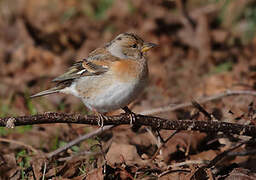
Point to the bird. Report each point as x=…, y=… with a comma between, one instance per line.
x=110, y=78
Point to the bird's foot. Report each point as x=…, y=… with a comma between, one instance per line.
x=132, y=115
x=101, y=119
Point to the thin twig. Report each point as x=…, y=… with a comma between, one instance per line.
x=78, y=140
x=163, y=144
x=189, y=162
x=159, y=136
x=200, y=100
x=201, y=109
x=174, y=171
x=44, y=171
x=186, y=19
x=242, y=153
x=79, y=154
x=220, y=156
x=149, y=130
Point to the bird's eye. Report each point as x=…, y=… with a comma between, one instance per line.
x=134, y=46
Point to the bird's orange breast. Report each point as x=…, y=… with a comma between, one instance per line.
x=126, y=70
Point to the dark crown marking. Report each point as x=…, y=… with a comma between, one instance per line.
x=132, y=35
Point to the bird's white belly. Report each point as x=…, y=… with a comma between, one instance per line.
x=116, y=96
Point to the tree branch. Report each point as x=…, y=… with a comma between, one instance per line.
x=155, y=122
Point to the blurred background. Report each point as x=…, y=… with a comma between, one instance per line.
x=205, y=47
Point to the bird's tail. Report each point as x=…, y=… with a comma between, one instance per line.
x=46, y=92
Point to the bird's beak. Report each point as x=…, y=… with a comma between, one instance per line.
x=147, y=46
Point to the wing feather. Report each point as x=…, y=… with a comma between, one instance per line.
x=91, y=67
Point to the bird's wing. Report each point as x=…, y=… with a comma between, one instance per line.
x=82, y=68
x=92, y=66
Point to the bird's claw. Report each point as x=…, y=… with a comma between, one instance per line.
x=132, y=117
x=101, y=119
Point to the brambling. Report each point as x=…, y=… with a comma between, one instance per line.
x=110, y=78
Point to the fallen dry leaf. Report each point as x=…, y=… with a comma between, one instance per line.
x=95, y=174
x=241, y=174
x=123, y=153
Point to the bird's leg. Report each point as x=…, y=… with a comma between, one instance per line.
x=132, y=115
